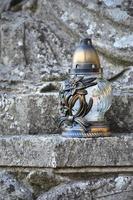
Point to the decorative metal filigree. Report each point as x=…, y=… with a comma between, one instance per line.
x=75, y=90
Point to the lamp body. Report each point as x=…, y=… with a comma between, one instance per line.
x=85, y=97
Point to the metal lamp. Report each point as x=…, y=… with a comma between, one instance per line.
x=86, y=96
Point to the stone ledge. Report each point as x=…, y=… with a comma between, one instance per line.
x=38, y=113
x=57, y=152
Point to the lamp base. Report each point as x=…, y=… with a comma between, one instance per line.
x=85, y=135
x=97, y=129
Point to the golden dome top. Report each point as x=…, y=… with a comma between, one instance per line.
x=85, y=58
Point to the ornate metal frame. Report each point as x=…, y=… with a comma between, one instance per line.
x=75, y=89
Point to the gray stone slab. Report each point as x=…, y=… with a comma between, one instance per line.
x=55, y=151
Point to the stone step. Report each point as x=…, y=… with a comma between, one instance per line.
x=38, y=113
x=56, y=151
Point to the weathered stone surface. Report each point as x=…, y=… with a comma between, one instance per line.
x=120, y=188
x=38, y=113
x=12, y=5
x=11, y=189
x=120, y=116
x=31, y=48
x=56, y=151
x=87, y=17
x=38, y=43
x=36, y=46
x=33, y=180
x=124, y=42
x=29, y=114
x=37, y=39
x=112, y=3
x=43, y=179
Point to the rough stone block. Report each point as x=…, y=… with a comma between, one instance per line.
x=11, y=189
x=38, y=113
x=113, y=188
x=120, y=115
x=29, y=114
x=55, y=151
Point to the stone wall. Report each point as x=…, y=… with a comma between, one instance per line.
x=37, y=40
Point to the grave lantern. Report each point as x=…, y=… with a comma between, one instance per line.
x=85, y=96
